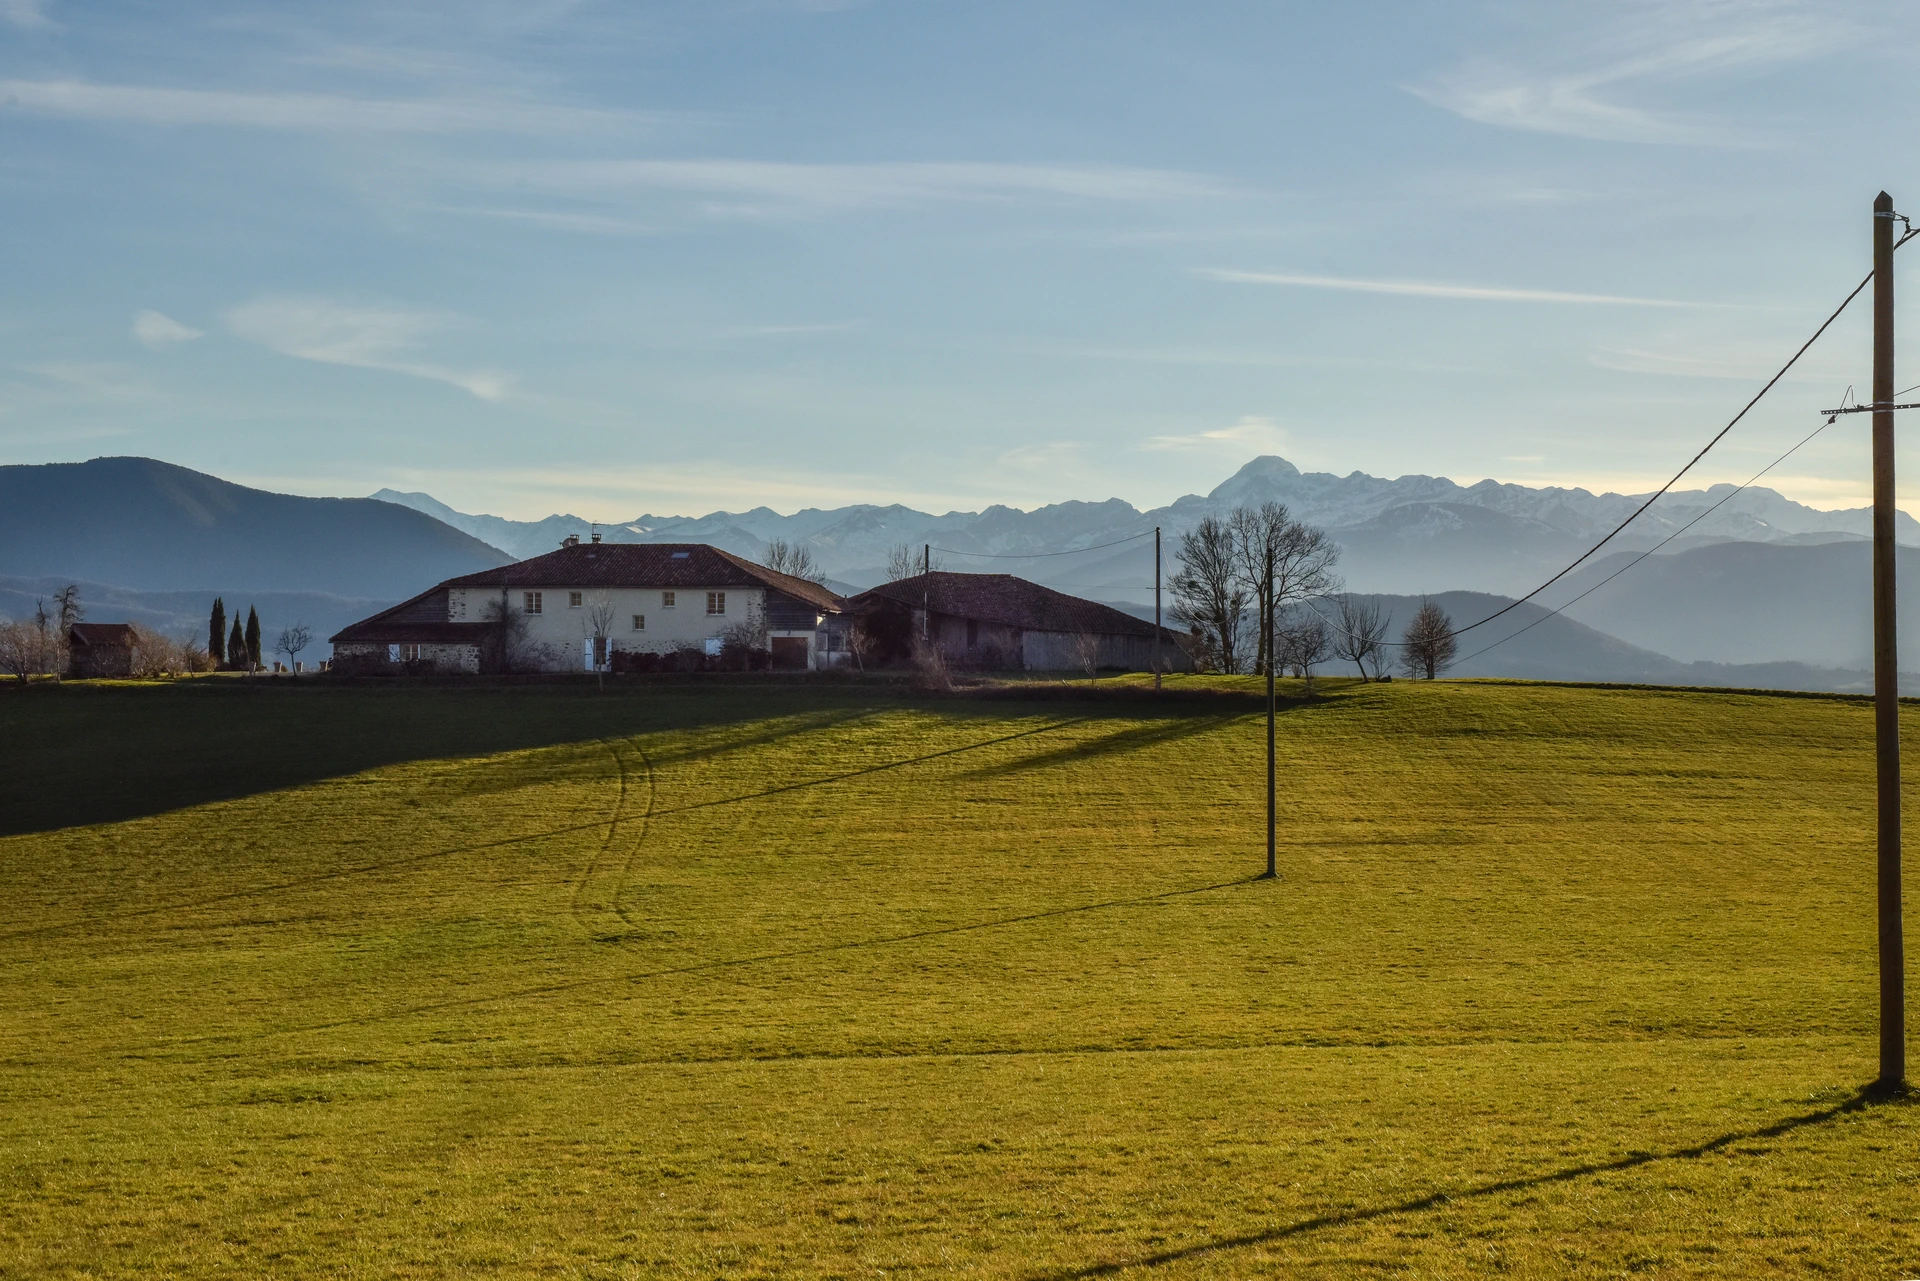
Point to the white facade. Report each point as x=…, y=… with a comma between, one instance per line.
x=560, y=619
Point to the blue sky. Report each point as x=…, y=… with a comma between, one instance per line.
x=670, y=257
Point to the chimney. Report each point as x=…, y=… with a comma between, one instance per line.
x=596, y=535
x=571, y=540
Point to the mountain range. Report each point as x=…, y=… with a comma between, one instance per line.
x=1747, y=579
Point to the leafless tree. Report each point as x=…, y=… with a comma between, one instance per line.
x=1302, y=641
x=794, y=559
x=598, y=621
x=1279, y=562
x=930, y=660
x=1086, y=652
x=1207, y=592
x=905, y=561
x=292, y=640
x=1427, y=646
x=740, y=641
x=503, y=645
x=67, y=602
x=1359, y=632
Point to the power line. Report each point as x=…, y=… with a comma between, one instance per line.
x=1071, y=551
x=1734, y=421
x=1650, y=551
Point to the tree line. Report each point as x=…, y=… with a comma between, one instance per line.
x=238, y=649
x=1255, y=585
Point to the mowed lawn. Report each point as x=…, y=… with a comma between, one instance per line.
x=839, y=981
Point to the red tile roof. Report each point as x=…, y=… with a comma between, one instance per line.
x=420, y=621
x=110, y=635
x=646, y=565
x=1003, y=599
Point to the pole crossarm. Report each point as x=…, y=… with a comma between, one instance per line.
x=1868, y=409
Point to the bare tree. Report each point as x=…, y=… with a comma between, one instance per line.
x=67, y=602
x=1427, y=646
x=1302, y=642
x=1086, y=652
x=598, y=621
x=503, y=644
x=906, y=561
x=1279, y=562
x=292, y=640
x=793, y=559
x=1207, y=593
x=1359, y=632
x=740, y=641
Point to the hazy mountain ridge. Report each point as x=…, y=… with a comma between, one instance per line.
x=1414, y=533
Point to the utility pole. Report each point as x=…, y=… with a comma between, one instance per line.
x=926, y=591
x=1886, y=662
x=1273, y=869
x=1156, y=607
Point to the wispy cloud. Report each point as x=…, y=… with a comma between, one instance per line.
x=158, y=330
x=761, y=187
x=31, y=14
x=1653, y=50
x=1254, y=431
x=1433, y=289
x=309, y=112
x=365, y=337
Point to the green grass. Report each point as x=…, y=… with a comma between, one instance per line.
x=768, y=980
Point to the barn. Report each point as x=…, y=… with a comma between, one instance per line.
x=997, y=622
x=99, y=649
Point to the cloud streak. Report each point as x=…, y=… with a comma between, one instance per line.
x=758, y=187
x=363, y=337
x=1658, y=48
x=158, y=330
x=1253, y=432
x=301, y=112
x=1434, y=289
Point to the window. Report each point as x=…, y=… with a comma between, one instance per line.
x=409, y=653
x=716, y=602
x=666, y=600
x=573, y=600
x=639, y=622
x=529, y=602
x=679, y=555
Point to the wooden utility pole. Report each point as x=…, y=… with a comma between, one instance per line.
x=1156, y=607
x=1886, y=661
x=1273, y=868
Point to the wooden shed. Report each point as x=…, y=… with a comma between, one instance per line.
x=99, y=649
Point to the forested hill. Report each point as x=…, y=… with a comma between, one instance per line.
x=151, y=526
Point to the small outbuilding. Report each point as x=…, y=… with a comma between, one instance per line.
x=99, y=649
x=999, y=622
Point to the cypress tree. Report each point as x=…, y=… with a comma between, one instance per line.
x=236, y=647
x=253, y=637
x=217, y=633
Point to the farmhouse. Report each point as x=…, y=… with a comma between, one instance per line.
x=99, y=649
x=997, y=621
x=577, y=608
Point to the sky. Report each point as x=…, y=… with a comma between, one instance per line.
x=671, y=257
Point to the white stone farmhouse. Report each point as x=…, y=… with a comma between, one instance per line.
x=575, y=608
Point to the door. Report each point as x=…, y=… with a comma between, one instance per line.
x=790, y=653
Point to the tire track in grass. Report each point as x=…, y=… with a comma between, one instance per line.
x=640, y=840
x=577, y=907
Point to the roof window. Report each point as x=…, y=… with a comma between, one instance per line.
x=680, y=555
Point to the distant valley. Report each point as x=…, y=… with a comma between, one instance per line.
x=1761, y=590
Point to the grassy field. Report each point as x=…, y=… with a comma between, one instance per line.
x=768, y=980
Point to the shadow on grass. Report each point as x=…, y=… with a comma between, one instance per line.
x=79, y=755
x=613, y=819
x=702, y=967
x=1866, y=1098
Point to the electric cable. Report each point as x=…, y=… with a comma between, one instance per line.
x=1072, y=551
x=1650, y=551
x=1733, y=422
